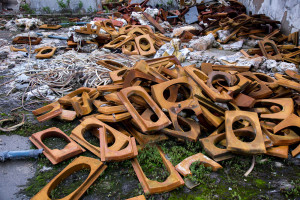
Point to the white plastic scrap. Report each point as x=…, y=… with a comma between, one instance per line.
x=273, y=66
x=28, y=23
x=162, y=49
x=173, y=48
x=140, y=17
x=178, y=31
x=202, y=43
x=240, y=60
x=223, y=34
x=165, y=25
x=152, y=12
x=285, y=66
x=260, y=64
x=202, y=57
x=11, y=25
x=251, y=43
x=236, y=46
x=42, y=90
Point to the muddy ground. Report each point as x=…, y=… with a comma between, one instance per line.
x=272, y=178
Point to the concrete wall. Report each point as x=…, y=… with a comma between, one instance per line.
x=10, y=4
x=88, y=5
x=285, y=11
x=170, y=4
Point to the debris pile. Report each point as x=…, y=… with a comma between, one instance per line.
x=247, y=113
x=124, y=79
x=131, y=39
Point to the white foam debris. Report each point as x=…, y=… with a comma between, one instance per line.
x=29, y=23
x=202, y=43
x=41, y=91
x=152, y=12
x=11, y=26
x=165, y=25
x=178, y=31
x=273, y=66
x=173, y=48
x=140, y=17
x=223, y=34
x=236, y=46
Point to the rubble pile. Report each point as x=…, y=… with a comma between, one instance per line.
x=248, y=113
x=132, y=39
x=126, y=81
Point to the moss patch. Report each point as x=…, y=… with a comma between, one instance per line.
x=260, y=183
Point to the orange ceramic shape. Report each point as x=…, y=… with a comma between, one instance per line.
x=141, y=197
x=268, y=80
x=209, y=146
x=114, y=117
x=144, y=139
x=110, y=64
x=135, y=74
x=109, y=88
x=90, y=123
x=263, y=43
x=85, y=30
x=157, y=92
x=53, y=110
x=56, y=155
x=130, y=48
x=12, y=48
x=291, y=137
x=49, y=26
x=153, y=187
x=296, y=151
x=281, y=151
x=199, y=77
x=67, y=100
x=263, y=90
x=184, y=166
x=194, y=131
x=287, y=105
x=145, y=39
x=119, y=41
x=95, y=166
x=108, y=26
x=27, y=40
x=107, y=109
x=46, y=52
x=67, y=115
x=117, y=75
x=82, y=105
x=130, y=151
x=293, y=74
x=284, y=81
x=243, y=82
x=257, y=146
x=145, y=125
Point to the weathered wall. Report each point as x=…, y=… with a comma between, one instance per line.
x=171, y=4
x=10, y=4
x=88, y=5
x=285, y=11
